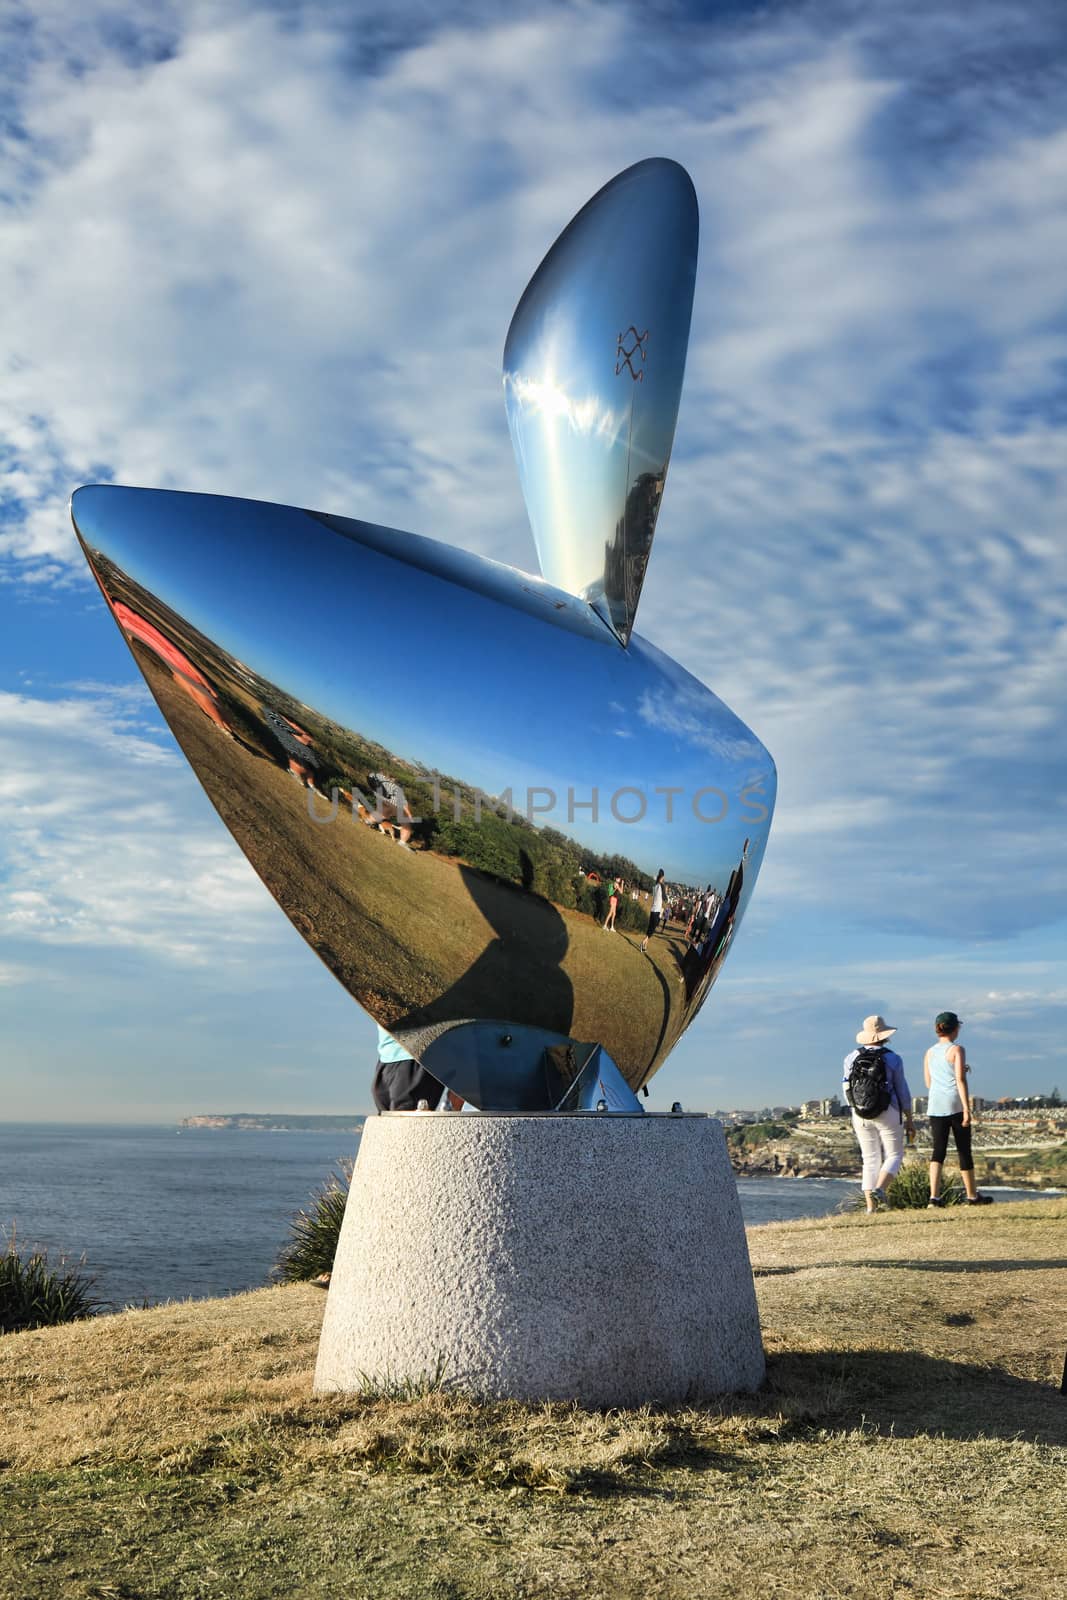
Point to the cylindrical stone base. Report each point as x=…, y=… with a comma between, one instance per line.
x=600, y=1259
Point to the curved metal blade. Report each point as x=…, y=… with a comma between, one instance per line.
x=503, y=834
x=593, y=368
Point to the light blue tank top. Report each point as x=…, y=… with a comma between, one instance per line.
x=944, y=1095
x=388, y=1049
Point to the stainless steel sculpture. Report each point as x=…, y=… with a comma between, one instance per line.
x=439, y=765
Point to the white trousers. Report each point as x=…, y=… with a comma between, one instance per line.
x=881, y=1142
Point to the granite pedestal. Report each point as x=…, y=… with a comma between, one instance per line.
x=594, y=1258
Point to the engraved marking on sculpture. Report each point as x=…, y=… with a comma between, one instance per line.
x=624, y=357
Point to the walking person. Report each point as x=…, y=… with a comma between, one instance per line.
x=614, y=891
x=949, y=1109
x=392, y=814
x=877, y=1090
x=657, y=908
x=295, y=743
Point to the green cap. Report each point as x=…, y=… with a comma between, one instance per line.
x=947, y=1020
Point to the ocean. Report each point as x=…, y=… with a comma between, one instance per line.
x=161, y=1213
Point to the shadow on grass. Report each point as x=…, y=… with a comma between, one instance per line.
x=554, y=1449
x=1028, y=1265
x=808, y=1397
x=679, y=1449
x=906, y=1394
x=912, y=1265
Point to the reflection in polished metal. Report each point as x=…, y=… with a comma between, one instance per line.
x=592, y=408
x=522, y=838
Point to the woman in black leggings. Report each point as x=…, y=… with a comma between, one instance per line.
x=949, y=1108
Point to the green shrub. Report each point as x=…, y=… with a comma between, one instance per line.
x=313, y=1232
x=1052, y=1164
x=542, y=860
x=746, y=1134
x=910, y=1189
x=36, y=1295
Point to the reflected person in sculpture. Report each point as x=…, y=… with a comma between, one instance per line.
x=300, y=759
x=656, y=912
x=393, y=813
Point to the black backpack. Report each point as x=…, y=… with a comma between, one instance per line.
x=868, y=1084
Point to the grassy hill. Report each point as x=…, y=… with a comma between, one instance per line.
x=911, y=1441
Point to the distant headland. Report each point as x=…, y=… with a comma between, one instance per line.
x=276, y=1122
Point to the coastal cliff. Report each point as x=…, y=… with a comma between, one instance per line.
x=275, y=1122
x=828, y=1150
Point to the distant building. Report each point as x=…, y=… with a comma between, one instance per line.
x=919, y=1103
x=831, y=1107
x=811, y=1108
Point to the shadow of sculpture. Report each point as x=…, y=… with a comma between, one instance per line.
x=518, y=974
x=907, y=1394
x=924, y=1265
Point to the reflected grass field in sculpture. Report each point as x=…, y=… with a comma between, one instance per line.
x=478, y=943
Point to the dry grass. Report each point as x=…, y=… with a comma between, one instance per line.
x=911, y=1440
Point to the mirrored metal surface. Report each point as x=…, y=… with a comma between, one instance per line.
x=593, y=368
x=457, y=784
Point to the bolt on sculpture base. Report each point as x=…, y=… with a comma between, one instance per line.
x=596, y=1259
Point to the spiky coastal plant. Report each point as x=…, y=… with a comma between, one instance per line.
x=34, y=1294
x=910, y=1189
x=314, y=1231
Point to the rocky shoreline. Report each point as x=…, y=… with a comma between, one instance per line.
x=782, y=1160
x=774, y=1165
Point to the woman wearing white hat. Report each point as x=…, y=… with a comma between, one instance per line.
x=877, y=1090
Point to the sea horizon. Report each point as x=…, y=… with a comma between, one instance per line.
x=156, y=1217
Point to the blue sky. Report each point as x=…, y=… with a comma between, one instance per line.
x=274, y=250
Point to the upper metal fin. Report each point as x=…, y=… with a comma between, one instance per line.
x=593, y=367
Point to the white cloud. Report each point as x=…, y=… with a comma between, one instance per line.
x=11, y=972
x=794, y=1021
x=107, y=843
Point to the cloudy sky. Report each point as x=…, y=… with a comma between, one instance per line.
x=272, y=250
